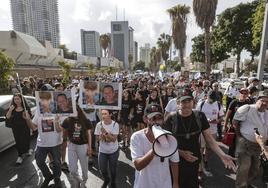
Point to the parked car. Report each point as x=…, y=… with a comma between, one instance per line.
x=226, y=82
x=6, y=135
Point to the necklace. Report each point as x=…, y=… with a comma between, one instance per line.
x=188, y=135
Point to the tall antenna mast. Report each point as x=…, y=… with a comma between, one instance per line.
x=116, y=12
x=124, y=14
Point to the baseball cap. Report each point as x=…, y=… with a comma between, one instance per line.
x=153, y=110
x=185, y=95
x=252, y=79
x=243, y=89
x=252, y=89
x=263, y=94
x=47, y=87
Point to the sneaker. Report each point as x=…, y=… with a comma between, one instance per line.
x=83, y=184
x=19, y=160
x=57, y=182
x=30, y=152
x=105, y=183
x=46, y=181
x=64, y=166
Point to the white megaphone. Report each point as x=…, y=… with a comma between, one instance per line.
x=165, y=144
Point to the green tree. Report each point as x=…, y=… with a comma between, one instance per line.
x=130, y=59
x=217, y=54
x=250, y=66
x=104, y=43
x=257, y=22
x=6, y=68
x=91, y=70
x=67, y=54
x=66, y=70
x=164, y=43
x=155, y=57
x=233, y=31
x=174, y=65
x=178, y=15
x=204, y=11
x=140, y=65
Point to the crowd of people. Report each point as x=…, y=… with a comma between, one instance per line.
x=196, y=112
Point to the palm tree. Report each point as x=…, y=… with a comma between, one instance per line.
x=104, y=42
x=155, y=56
x=178, y=15
x=130, y=59
x=164, y=43
x=204, y=11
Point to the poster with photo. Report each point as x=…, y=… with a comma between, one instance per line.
x=96, y=95
x=47, y=125
x=50, y=103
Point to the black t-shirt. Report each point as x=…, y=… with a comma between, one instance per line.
x=126, y=107
x=139, y=107
x=77, y=130
x=234, y=105
x=187, y=125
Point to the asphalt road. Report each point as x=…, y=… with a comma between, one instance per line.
x=28, y=175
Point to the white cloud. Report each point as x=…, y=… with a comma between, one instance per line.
x=147, y=17
x=82, y=10
x=104, y=15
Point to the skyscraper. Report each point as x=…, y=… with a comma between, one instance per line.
x=38, y=18
x=90, y=43
x=145, y=54
x=122, y=41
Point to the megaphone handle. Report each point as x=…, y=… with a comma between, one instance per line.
x=162, y=159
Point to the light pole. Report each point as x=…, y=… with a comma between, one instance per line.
x=262, y=59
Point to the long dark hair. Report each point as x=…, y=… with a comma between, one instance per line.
x=22, y=99
x=129, y=98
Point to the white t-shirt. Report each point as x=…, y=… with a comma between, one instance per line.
x=250, y=118
x=47, y=133
x=171, y=106
x=113, y=128
x=212, y=112
x=231, y=91
x=156, y=174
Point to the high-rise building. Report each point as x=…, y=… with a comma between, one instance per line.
x=122, y=41
x=38, y=18
x=135, y=52
x=145, y=54
x=90, y=43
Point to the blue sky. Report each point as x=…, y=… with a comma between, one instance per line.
x=147, y=17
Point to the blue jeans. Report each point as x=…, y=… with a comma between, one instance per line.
x=40, y=157
x=108, y=160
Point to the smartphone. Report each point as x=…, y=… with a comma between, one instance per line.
x=256, y=131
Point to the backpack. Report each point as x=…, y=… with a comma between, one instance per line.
x=197, y=116
x=203, y=102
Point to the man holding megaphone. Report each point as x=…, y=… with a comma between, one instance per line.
x=187, y=125
x=153, y=150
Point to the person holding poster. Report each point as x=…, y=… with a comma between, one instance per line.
x=107, y=131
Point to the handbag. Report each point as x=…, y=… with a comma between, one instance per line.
x=229, y=137
x=9, y=122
